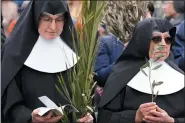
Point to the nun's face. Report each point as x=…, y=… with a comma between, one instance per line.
x=51, y=26
x=160, y=45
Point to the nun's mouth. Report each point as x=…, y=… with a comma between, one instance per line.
x=51, y=32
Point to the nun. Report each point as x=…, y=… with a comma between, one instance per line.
x=127, y=96
x=38, y=50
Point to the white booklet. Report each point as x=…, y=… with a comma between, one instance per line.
x=50, y=105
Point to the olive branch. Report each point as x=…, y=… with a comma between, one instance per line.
x=149, y=65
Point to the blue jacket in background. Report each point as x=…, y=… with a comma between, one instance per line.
x=110, y=48
x=178, y=46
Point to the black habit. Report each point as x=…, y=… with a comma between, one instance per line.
x=22, y=85
x=120, y=102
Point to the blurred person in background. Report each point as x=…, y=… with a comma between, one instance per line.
x=102, y=30
x=158, y=9
x=9, y=13
x=171, y=14
x=21, y=6
x=178, y=45
x=75, y=7
x=150, y=10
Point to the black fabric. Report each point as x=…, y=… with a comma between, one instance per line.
x=25, y=34
x=3, y=37
x=129, y=64
x=22, y=86
x=21, y=95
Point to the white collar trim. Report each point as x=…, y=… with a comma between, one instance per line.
x=173, y=81
x=51, y=56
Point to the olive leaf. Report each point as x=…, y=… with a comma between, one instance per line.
x=144, y=72
x=153, y=84
x=156, y=83
x=158, y=57
x=160, y=48
x=145, y=65
x=156, y=67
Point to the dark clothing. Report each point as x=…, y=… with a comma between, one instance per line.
x=123, y=107
x=179, y=6
x=3, y=37
x=119, y=102
x=22, y=86
x=22, y=97
x=178, y=47
x=176, y=21
x=110, y=49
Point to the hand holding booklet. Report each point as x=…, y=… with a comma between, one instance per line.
x=51, y=106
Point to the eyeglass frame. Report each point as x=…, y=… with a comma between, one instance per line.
x=45, y=14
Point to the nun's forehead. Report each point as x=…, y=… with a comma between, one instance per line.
x=50, y=14
x=159, y=33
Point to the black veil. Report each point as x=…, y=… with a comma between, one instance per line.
x=134, y=56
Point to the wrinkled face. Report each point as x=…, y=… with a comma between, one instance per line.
x=160, y=45
x=51, y=26
x=168, y=9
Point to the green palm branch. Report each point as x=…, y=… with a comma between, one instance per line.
x=80, y=78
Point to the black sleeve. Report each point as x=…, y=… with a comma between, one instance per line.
x=114, y=112
x=13, y=108
x=179, y=120
x=106, y=116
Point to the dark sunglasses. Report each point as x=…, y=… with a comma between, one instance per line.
x=157, y=39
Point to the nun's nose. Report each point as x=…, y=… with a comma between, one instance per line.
x=53, y=25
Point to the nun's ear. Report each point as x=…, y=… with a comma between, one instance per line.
x=172, y=32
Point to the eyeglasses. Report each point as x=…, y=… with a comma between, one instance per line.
x=157, y=39
x=48, y=19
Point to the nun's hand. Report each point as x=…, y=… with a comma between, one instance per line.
x=158, y=116
x=49, y=118
x=143, y=110
x=87, y=119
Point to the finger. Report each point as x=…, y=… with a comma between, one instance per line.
x=149, y=108
x=81, y=120
x=48, y=116
x=54, y=119
x=152, y=118
x=89, y=118
x=35, y=112
x=36, y=117
x=160, y=110
x=145, y=105
x=158, y=114
x=148, y=121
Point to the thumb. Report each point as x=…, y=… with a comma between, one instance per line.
x=35, y=112
x=82, y=119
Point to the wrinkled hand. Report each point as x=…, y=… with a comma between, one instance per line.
x=87, y=119
x=158, y=116
x=49, y=118
x=143, y=110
